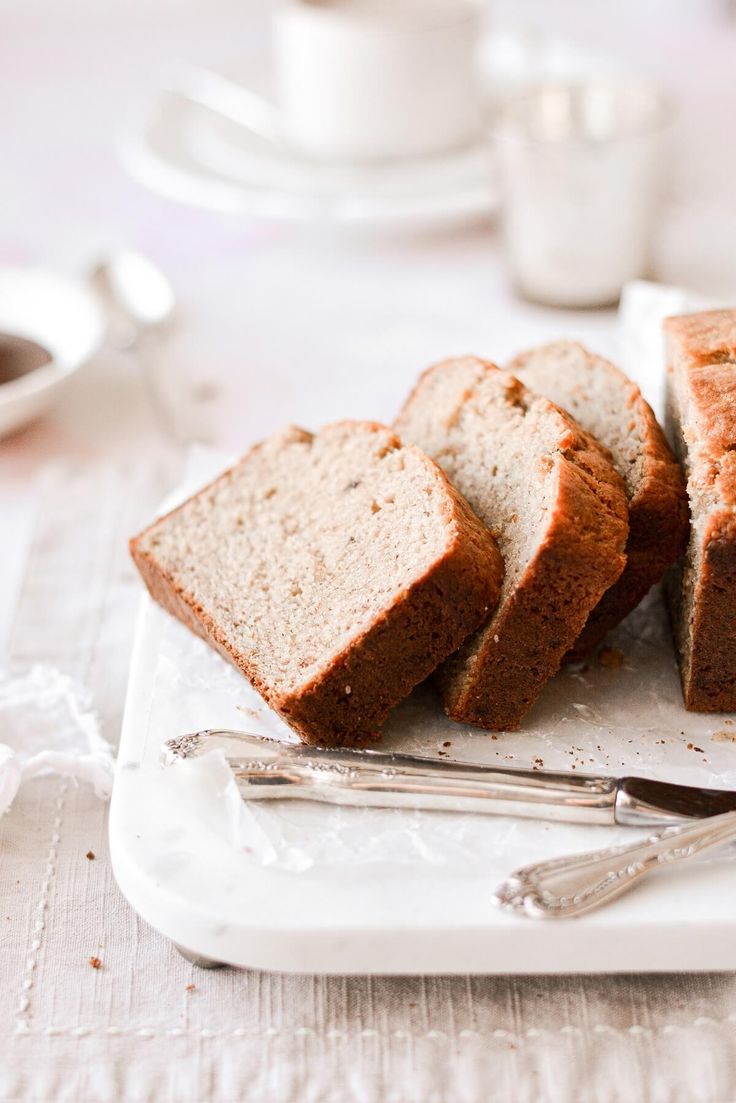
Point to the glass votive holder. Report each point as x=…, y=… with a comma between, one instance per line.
x=582, y=167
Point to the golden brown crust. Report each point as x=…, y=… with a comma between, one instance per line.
x=658, y=512
x=710, y=684
x=705, y=345
x=658, y=529
x=582, y=555
x=497, y=675
x=348, y=701
x=402, y=647
x=701, y=350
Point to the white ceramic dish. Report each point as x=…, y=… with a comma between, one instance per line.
x=189, y=154
x=59, y=313
x=329, y=890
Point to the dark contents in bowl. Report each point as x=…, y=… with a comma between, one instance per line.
x=19, y=356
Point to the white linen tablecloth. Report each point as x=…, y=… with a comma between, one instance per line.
x=289, y=325
x=147, y=1026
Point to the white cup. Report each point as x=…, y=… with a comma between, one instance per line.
x=371, y=79
x=583, y=167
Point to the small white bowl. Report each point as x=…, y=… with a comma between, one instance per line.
x=62, y=315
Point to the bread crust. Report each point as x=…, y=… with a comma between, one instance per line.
x=582, y=555
x=658, y=509
x=347, y=702
x=701, y=365
x=497, y=675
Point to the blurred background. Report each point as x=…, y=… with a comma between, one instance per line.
x=220, y=216
x=307, y=291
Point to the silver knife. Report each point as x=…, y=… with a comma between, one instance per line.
x=267, y=769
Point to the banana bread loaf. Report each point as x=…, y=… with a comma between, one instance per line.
x=610, y=407
x=552, y=499
x=335, y=571
x=701, y=380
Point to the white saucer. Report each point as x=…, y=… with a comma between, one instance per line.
x=187, y=152
x=63, y=316
x=190, y=154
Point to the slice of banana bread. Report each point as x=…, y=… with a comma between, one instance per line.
x=701, y=381
x=335, y=571
x=610, y=407
x=552, y=499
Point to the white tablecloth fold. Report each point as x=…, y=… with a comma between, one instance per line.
x=49, y=726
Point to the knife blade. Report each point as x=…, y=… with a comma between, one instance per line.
x=268, y=769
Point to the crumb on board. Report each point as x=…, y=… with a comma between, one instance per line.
x=90, y=855
x=248, y=711
x=190, y=987
x=610, y=657
x=724, y=737
x=447, y=743
x=692, y=747
x=95, y=962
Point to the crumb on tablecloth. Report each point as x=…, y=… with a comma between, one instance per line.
x=95, y=962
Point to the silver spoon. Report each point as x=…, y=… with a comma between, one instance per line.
x=564, y=887
x=138, y=296
x=140, y=305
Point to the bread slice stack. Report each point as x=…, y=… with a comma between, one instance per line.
x=701, y=380
x=551, y=497
x=610, y=407
x=507, y=521
x=335, y=571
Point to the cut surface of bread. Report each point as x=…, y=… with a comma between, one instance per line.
x=701, y=381
x=556, y=506
x=334, y=570
x=608, y=405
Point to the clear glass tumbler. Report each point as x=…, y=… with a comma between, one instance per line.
x=583, y=169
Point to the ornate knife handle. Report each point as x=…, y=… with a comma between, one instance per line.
x=268, y=770
x=564, y=887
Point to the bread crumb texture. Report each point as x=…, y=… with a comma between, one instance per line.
x=335, y=570
x=607, y=404
x=551, y=497
x=701, y=402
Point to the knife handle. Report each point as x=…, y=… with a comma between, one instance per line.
x=265, y=769
x=565, y=887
